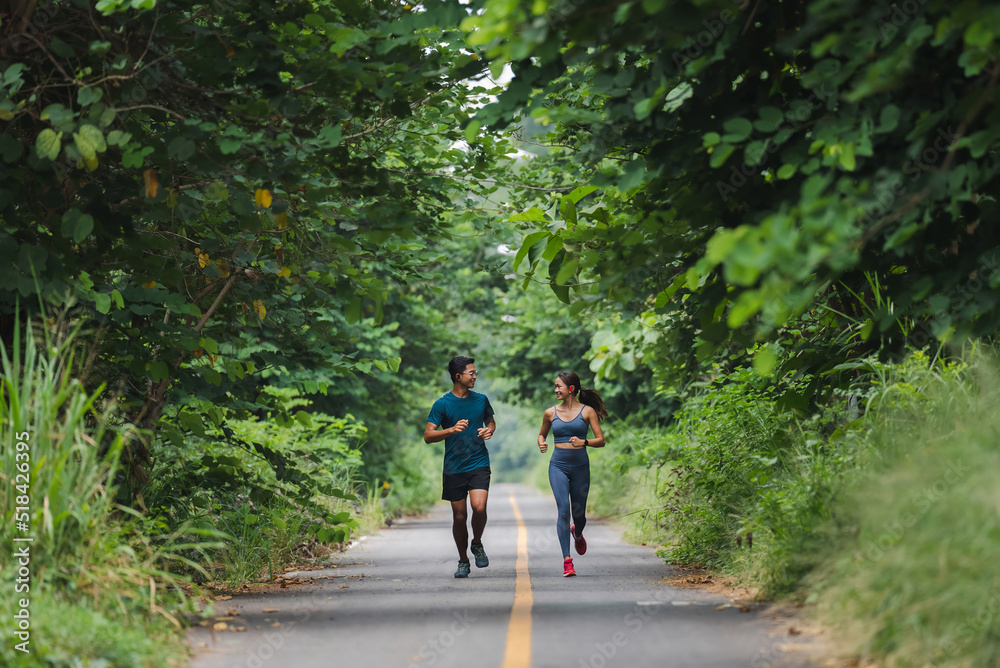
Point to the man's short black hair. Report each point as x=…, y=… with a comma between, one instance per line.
x=457, y=365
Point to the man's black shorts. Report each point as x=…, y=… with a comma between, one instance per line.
x=457, y=485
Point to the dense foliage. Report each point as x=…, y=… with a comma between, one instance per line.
x=822, y=173
x=271, y=224
x=232, y=194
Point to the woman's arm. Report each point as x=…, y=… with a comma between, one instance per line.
x=590, y=415
x=543, y=433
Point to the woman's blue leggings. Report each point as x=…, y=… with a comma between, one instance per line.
x=569, y=475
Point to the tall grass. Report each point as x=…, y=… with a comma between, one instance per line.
x=917, y=583
x=87, y=566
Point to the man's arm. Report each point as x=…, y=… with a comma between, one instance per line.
x=432, y=434
x=487, y=432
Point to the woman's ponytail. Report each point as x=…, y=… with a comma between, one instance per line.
x=593, y=399
x=587, y=396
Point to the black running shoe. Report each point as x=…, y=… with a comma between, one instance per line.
x=482, y=561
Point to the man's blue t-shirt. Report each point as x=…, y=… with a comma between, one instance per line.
x=465, y=450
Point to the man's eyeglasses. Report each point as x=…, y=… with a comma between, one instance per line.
x=471, y=373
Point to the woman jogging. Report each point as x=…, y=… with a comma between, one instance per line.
x=569, y=467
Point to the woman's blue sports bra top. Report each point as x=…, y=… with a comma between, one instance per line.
x=562, y=430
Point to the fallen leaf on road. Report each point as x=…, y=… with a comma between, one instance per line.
x=221, y=626
x=271, y=610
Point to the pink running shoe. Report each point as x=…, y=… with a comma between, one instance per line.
x=568, y=567
x=578, y=541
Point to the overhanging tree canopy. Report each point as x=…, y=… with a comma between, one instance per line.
x=229, y=187
x=761, y=162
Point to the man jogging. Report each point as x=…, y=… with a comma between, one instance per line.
x=464, y=420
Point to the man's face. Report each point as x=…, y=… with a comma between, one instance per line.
x=468, y=377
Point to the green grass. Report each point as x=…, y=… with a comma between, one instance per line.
x=100, y=592
x=69, y=631
x=918, y=583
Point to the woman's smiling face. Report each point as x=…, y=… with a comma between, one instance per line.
x=561, y=390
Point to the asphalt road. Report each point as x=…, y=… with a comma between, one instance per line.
x=392, y=602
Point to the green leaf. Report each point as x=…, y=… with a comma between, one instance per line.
x=979, y=35
x=89, y=141
x=211, y=376
x=580, y=193
x=118, y=138
x=888, y=119
x=48, y=144
x=765, y=360
x=87, y=96
x=719, y=155
x=554, y=247
x=737, y=129
x=786, y=172
x=567, y=271
x=568, y=210
x=526, y=245
x=181, y=148
x=216, y=192
x=846, y=157
x=209, y=345
x=12, y=75
x=77, y=225
x=158, y=371
x=103, y=302
x=770, y=119
x=634, y=174
x=472, y=131
x=57, y=114
x=533, y=214
x=644, y=108
x=866, y=329
x=314, y=20
x=192, y=422
x=353, y=311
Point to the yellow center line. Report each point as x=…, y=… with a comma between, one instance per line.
x=517, y=654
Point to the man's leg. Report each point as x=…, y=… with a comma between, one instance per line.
x=478, y=499
x=459, y=529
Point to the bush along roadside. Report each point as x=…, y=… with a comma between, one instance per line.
x=96, y=573
x=915, y=579
x=880, y=507
x=80, y=581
